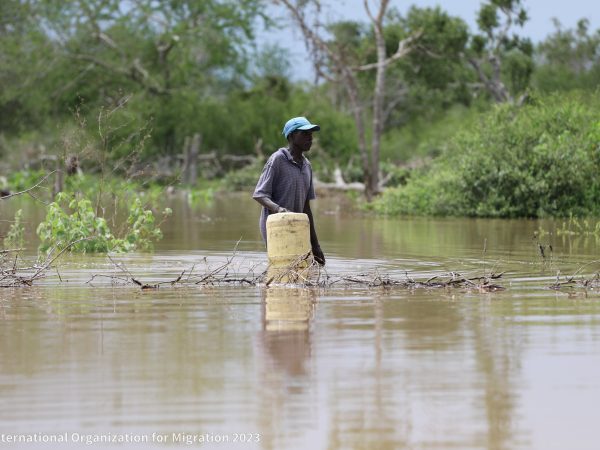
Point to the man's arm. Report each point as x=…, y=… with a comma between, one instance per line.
x=270, y=204
x=314, y=241
x=264, y=188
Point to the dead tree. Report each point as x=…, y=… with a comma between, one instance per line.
x=190, y=162
x=335, y=68
x=490, y=49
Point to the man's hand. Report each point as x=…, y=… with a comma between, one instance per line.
x=318, y=255
x=281, y=209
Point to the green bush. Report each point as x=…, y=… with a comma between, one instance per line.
x=72, y=221
x=427, y=136
x=243, y=179
x=538, y=160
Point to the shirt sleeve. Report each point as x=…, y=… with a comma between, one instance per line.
x=264, y=187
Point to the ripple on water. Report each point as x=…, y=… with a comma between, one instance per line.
x=322, y=368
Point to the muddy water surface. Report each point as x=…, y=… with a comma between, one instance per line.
x=290, y=368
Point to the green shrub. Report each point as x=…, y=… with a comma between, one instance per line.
x=243, y=179
x=428, y=136
x=72, y=219
x=538, y=160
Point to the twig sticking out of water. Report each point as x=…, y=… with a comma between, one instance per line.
x=14, y=276
x=571, y=282
x=225, y=273
x=303, y=272
x=11, y=275
x=578, y=281
x=300, y=271
x=373, y=280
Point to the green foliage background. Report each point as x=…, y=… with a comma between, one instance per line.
x=538, y=160
x=123, y=88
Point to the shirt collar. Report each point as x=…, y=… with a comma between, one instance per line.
x=290, y=158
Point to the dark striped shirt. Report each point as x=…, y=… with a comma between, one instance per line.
x=286, y=183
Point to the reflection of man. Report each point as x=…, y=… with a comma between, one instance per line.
x=286, y=182
x=284, y=344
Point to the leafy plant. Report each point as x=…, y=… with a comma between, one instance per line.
x=14, y=237
x=142, y=229
x=72, y=221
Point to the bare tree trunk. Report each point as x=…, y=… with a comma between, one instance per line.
x=332, y=66
x=185, y=170
x=378, y=95
x=59, y=176
x=357, y=112
x=193, y=159
x=493, y=83
x=258, y=148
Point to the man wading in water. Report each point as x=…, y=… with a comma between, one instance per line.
x=286, y=182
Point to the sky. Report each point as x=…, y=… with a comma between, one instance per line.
x=540, y=25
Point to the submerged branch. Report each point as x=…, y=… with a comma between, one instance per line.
x=303, y=272
x=13, y=276
x=581, y=283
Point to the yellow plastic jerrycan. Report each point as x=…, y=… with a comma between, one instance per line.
x=288, y=238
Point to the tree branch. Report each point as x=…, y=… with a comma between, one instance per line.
x=404, y=47
x=136, y=72
x=27, y=191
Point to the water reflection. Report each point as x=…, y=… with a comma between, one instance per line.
x=285, y=335
x=288, y=309
x=498, y=354
x=288, y=384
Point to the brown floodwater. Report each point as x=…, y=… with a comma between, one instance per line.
x=298, y=368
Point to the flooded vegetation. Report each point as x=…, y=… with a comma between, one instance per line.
x=343, y=366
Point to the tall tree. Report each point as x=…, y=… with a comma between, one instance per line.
x=432, y=77
x=502, y=61
x=26, y=58
x=166, y=53
x=569, y=58
x=338, y=65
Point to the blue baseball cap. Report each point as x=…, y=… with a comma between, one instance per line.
x=299, y=123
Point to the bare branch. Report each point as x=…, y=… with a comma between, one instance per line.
x=400, y=91
x=368, y=10
x=27, y=191
x=108, y=41
x=136, y=72
x=494, y=86
x=50, y=260
x=404, y=47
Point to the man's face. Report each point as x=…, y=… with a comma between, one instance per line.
x=302, y=139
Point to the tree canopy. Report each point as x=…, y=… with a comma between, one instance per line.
x=157, y=72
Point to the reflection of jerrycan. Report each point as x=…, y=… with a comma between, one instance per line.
x=288, y=309
x=288, y=239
